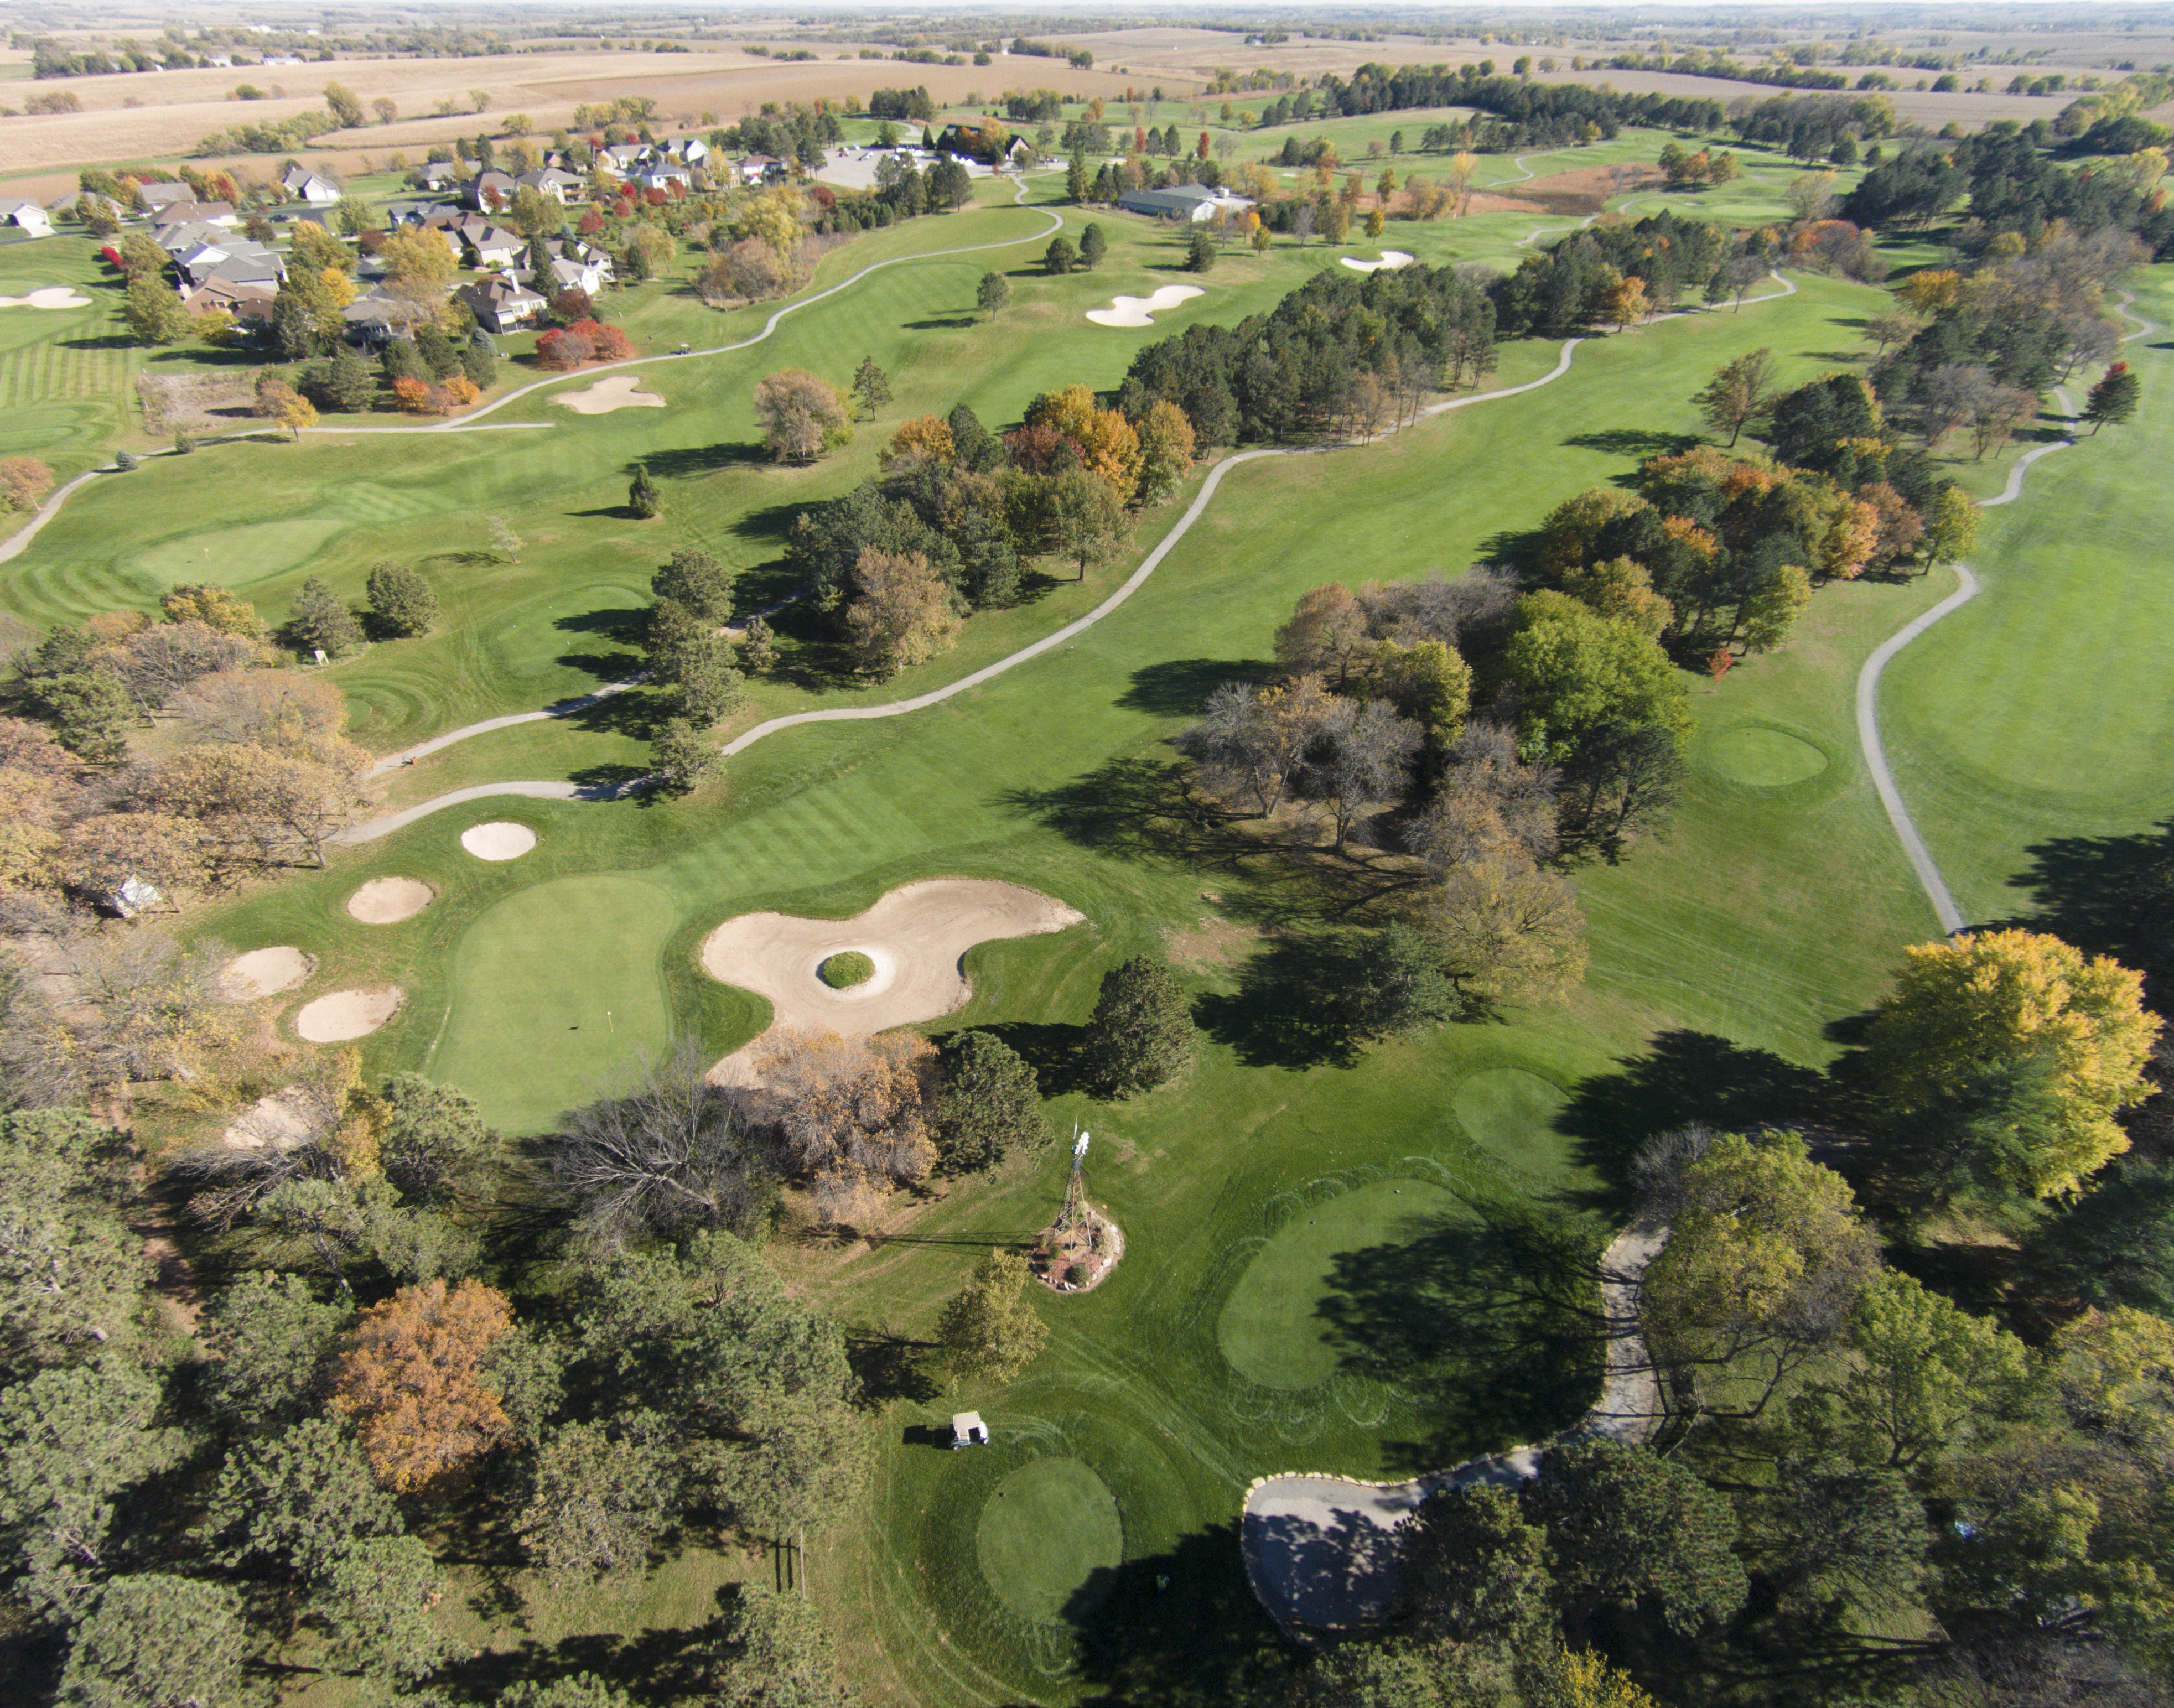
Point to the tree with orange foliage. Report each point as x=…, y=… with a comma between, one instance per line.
x=408, y=1380
x=1108, y=445
x=924, y=439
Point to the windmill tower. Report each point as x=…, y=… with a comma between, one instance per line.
x=1075, y=1211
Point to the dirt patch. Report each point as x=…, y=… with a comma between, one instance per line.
x=498, y=839
x=194, y=403
x=388, y=900
x=346, y=1014
x=1585, y=190
x=612, y=392
x=1486, y=202
x=278, y=1120
x=264, y=972
x=1214, y=942
x=916, y=936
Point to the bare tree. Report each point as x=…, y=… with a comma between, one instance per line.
x=2088, y=341
x=671, y=1156
x=1439, y=607
x=2005, y=408
x=159, y=661
x=1253, y=741
x=1953, y=393
x=1363, y=757
x=1492, y=805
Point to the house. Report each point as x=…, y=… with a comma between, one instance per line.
x=625, y=157
x=300, y=182
x=489, y=190
x=371, y=317
x=1188, y=202
x=500, y=304
x=560, y=186
x=662, y=175
x=688, y=151
x=759, y=169
x=32, y=217
x=249, y=301
x=437, y=175
x=574, y=275
x=223, y=61
x=260, y=266
x=156, y=197
x=487, y=245
x=282, y=59
x=195, y=214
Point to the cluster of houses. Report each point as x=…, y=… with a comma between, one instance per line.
x=682, y=162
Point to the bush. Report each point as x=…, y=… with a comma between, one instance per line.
x=845, y=969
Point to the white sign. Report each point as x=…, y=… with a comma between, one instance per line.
x=320, y=651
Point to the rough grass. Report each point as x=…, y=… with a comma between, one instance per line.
x=843, y=970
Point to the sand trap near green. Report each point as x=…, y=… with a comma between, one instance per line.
x=1271, y=1330
x=1045, y=1532
x=1510, y=1114
x=554, y=989
x=1764, y=757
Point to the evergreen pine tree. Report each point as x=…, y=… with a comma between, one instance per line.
x=321, y=621
x=1140, y=1034
x=1093, y=247
x=642, y=496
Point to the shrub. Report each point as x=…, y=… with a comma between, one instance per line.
x=563, y=349
x=842, y=971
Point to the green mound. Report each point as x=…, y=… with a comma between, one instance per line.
x=1271, y=1329
x=1511, y=1114
x=841, y=972
x=1764, y=757
x=234, y=557
x=1045, y=1533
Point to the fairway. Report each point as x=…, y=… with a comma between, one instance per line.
x=554, y=991
x=1272, y=1330
x=1045, y=1533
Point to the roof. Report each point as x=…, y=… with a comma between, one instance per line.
x=175, y=212
x=1181, y=200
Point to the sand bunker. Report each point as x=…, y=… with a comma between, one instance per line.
x=278, y=1120
x=388, y=900
x=498, y=840
x=1390, y=260
x=345, y=1014
x=264, y=972
x=49, y=296
x=1139, y=310
x=613, y=392
x=916, y=936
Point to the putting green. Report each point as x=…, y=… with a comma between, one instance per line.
x=1045, y=1533
x=1511, y=1114
x=234, y=557
x=1271, y=1330
x=555, y=990
x=1763, y=757
x=847, y=969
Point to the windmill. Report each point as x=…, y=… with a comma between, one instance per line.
x=1075, y=1213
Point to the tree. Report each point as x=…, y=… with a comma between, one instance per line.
x=1623, y=780
x=409, y=1380
x=993, y=292
x=801, y=416
x=1093, y=247
x=991, y=1107
x=376, y=1601
x=1167, y=448
x=1577, y=671
x=1967, y=1015
x=871, y=386
x=2116, y=1246
x=435, y=1145
x=1060, y=256
x=401, y=602
x=275, y=1341
x=343, y=105
x=1405, y=984
x=71, y=1275
x=1199, y=252
x=155, y=314
x=1583, y=1678
x=1086, y=515
x=1514, y=932
x=681, y=754
x=1327, y=634
x=1140, y=1034
x=1952, y=532
x=1623, y=1524
x=2114, y=398
x=1624, y=302
x=91, y=712
x=643, y=498
x=902, y=612
x=597, y=1496
x=504, y=541
x=322, y=622
x=699, y=583
x=71, y=1440
x=1363, y=758
x=777, y=1654
x=1811, y=197
x=988, y=1331
x=1735, y=393
x=668, y=1158
x=156, y=1641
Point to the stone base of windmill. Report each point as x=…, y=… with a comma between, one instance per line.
x=1075, y=1257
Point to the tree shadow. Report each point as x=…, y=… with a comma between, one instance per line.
x=653, y=1665
x=1180, y=687
x=2111, y=895
x=613, y=512
x=890, y=1367
x=1141, y=808
x=1291, y=1008
x=1640, y=442
x=605, y=667
x=1054, y=1049
x=945, y=323
x=1489, y=1321
x=690, y=461
x=1685, y=1077
x=1181, y=1628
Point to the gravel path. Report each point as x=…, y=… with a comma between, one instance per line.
x=1322, y=1552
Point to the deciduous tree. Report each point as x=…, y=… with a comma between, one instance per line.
x=902, y=612
x=989, y=1330
x=2114, y=398
x=1735, y=392
x=409, y=1380
x=992, y=294
x=801, y=416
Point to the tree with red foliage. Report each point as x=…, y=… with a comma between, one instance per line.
x=1203, y=145
x=573, y=303
x=563, y=349
x=591, y=221
x=655, y=195
x=415, y=398
x=1718, y=666
x=1043, y=451
x=612, y=345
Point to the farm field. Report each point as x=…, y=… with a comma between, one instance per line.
x=1371, y=1261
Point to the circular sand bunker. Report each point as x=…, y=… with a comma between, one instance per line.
x=915, y=938
x=264, y=972
x=1050, y=1540
x=1764, y=758
x=346, y=1014
x=388, y=900
x=500, y=839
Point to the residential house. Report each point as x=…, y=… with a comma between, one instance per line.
x=501, y=303
x=572, y=275
x=156, y=197
x=487, y=245
x=625, y=157
x=663, y=174
x=490, y=189
x=371, y=317
x=688, y=151
x=30, y=216
x=759, y=169
x=314, y=187
x=1187, y=203
x=195, y=214
x=437, y=175
x=561, y=187
x=249, y=300
x=187, y=234
x=252, y=266
x=223, y=61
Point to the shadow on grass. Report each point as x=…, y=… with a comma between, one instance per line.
x=1685, y=1077
x=652, y=1665
x=1292, y=1006
x=1634, y=441
x=2110, y=895
x=691, y=462
x=1180, y=687
x=1180, y=1629
x=1489, y=1321
x=1055, y=1050
x=889, y=1367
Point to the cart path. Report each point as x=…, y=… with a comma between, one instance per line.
x=1927, y=869
x=895, y=708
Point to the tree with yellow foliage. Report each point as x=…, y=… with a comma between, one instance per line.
x=409, y=1380
x=1929, y=291
x=1582, y=1678
x=1108, y=445
x=924, y=439
x=2008, y=1054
